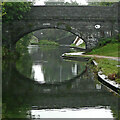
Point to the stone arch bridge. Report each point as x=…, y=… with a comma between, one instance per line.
x=83, y=21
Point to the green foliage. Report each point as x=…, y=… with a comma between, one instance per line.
x=110, y=49
x=9, y=54
x=47, y=42
x=21, y=45
x=116, y=113
x=68, y=27
x=12, y=114
x=81, y=45
x=3, y=110
x=108, y=67
x=33, y=39
x=4, y=51
x=24, y=62
x=105, y=41
x=100, y=3
x=71, y=3
x=60, y=23
x=73, y=45
x=48, y=2
x=107, y=47
x=106, y=3
x=3, y=8
x=14, y=10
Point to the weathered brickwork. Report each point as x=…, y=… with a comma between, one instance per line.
x=80, y=20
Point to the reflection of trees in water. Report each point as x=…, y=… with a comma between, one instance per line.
x=14, y=91
x=116, y=113
x=24, y=65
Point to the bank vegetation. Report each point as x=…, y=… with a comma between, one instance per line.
x=108, y=47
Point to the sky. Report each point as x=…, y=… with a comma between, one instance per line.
x=41, y=2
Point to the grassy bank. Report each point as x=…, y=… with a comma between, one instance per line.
x=46, y=42
x=81, y=45
x=107, y=66
x=110, y=49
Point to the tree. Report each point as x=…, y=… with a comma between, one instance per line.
x=60, y=2
x=14, y=10
x=100, y=3
x=54, y=2
x=71, y=3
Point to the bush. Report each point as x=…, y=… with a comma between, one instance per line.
x=47, y=42
x=105, y=41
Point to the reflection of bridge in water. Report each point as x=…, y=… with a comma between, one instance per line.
x=76, y=93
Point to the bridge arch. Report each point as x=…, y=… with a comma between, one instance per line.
x=63, y=26
x=55, y=28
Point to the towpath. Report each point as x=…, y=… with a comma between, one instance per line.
x=97, y=56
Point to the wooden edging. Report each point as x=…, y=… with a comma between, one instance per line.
x=107, y=82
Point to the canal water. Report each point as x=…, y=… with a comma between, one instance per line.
x=41, y=84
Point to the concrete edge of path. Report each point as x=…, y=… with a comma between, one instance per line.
x=107, y=82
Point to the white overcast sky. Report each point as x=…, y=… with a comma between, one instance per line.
x=41, y=2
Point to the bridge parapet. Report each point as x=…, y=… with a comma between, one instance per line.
x=71, y=12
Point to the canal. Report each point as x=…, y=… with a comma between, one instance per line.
x=41, y=84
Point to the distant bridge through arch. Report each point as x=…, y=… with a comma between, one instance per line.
x=79, y=20
x=60, y=36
